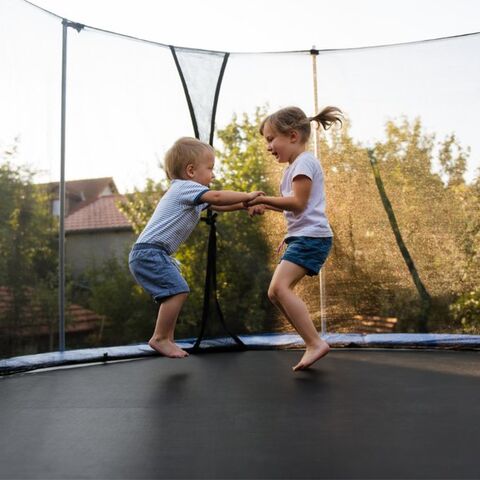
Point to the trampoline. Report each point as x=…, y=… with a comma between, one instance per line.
x=405, y=407
x=357, y=414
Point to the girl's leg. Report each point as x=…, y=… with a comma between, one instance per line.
x=162, y=338
x=280, y=292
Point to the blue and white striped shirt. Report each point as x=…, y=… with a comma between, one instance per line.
x=177, y=214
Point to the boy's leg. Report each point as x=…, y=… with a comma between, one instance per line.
x=162, y=338
x=280, y=292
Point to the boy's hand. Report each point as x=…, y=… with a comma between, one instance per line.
x=254, y=200
x=253, y=195
x=256, y=210
x=251, y=200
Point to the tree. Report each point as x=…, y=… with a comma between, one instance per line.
x=128, y=310
x=466, y=308
x=432, y=215
x=28, y=252
x=141, y=204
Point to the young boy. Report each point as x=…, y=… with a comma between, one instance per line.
x=189, y=165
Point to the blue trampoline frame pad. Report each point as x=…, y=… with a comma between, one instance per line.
x=252, y=342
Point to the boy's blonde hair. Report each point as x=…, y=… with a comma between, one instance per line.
x=293, y=118
x=185, y=151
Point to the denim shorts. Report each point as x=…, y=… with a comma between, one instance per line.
x=156, y=271
x=308, y=252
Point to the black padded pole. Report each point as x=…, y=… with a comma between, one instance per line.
x=217, y=94
x=211, y=285
x=187, y=94
x=210, y=288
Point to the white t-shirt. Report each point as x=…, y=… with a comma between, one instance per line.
x=312, y=222
x=176, y=215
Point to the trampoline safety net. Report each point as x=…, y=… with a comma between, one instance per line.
x=402, y=186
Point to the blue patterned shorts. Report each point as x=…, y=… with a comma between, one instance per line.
x=308, y=252
x=156, y=271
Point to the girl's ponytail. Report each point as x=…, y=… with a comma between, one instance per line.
x=294, y=118
x=327, y=117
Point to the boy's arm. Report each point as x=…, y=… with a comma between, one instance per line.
x=228, y=208
x=227, y=197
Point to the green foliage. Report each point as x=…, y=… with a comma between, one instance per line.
x=453, y=161
x=243, y=161
x=244, y=268
x=129, y=312
x=140, y=205
x=437, y=218
x=28, y=252
x=466, y=310
x=27, y=228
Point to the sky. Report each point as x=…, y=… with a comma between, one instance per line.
x=110, y=134
x=275, y=25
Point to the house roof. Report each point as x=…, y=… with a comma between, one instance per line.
x=91, y=187
x=81, y=319
x=83, y=191
x=100, y=214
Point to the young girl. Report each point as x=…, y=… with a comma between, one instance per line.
x=309, y=236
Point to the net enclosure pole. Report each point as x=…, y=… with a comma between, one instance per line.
x=316, y=146
x=61, y=235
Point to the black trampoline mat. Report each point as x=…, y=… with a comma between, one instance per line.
x=355, y=414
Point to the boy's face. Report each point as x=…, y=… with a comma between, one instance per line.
x=202, y=171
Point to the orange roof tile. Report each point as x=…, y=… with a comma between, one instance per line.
x=100, y=214
x=82, y=319
x=81, y=192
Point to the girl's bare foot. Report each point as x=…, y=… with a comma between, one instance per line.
x=311, y=355
x=167, y=348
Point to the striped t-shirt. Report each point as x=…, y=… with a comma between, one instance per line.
x=177, y=214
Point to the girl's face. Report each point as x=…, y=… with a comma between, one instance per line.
x=284, y=147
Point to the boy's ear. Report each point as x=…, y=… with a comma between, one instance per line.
x=190, y=170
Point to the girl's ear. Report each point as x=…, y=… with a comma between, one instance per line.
x=294, y=136
x=190, y=170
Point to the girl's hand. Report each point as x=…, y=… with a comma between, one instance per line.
x=250, y=202
x=256, y=210
x=253, y=195
x=255, y=201
x=280, y=247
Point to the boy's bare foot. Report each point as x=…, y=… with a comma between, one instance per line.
x=167, y=348
x=311, y=355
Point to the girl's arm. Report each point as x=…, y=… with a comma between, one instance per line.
x=273, y=209
x=301, y=186
x=238, y=206
x=260, y=209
